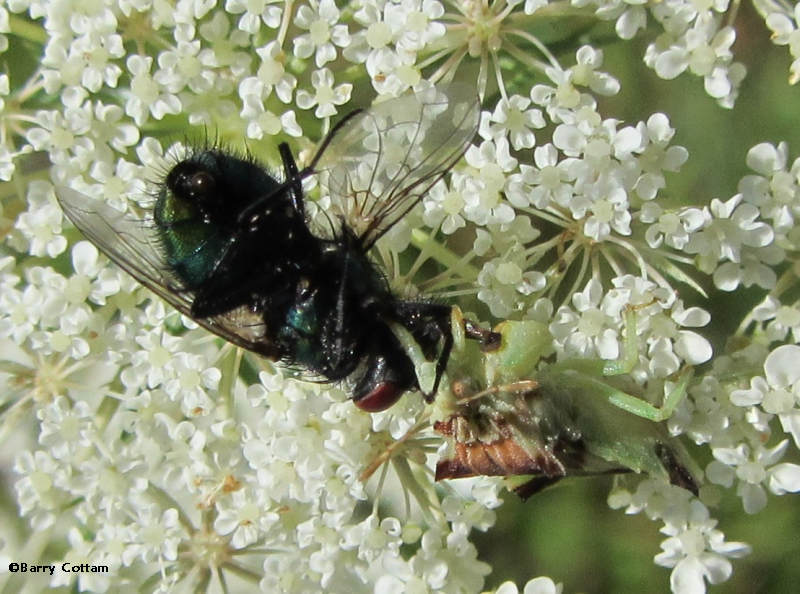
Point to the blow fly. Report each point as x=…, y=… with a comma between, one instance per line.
x=232, y=246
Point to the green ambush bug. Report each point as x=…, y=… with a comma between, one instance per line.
x=538, y=424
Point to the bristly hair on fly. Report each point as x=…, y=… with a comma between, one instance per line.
x=189, y=147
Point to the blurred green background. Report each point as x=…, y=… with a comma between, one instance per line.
x=568, y=532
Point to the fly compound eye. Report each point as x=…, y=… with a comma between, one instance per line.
x=189, y=183
x=198, y=185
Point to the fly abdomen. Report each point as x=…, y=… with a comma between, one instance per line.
x=314, y=336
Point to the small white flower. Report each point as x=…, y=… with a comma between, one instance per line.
x=778, y=391
x=181, y=67
x=562, y=102
x=158, y=534
x=782, y=21
x=153, y=363
x=444, y=207
x=539, y=585
x=254, y=13
x=193, y=378
x=325, y=33
x=585, y=72
x=670, y=227
x=752, y=467
x=38, y=489
x=630, y=17
x=40, y=225
x=697, y=551
x=271, y=76
x=781, y=319
x=546, y=184
x=110, y=130
x=243, y=516
x=585, y=331
x=730, y=233
x=606, y=214
x=81, y=550
x=62, y=132
x=656, y=155
x=85, y=62
x=774, y=190
x=264, y=122
x=326, y=96
x=147, y=96
x=4, y=28
x=117, y=182
x=450, y=561
x=223, y=45
x=66, y=430
x=392, y=72
x=513, y=118
x=415, y=23
x=374, y=537
x=492, y=162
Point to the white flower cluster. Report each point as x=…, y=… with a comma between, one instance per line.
x=592, y=177
x=695, y=38
x=593, y=328
x=736, y=426
x=740, y=450
x=173, y=481
x=743, y=240
x=143, y=443
x=695, y=549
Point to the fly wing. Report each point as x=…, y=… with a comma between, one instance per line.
x=134, y=245
x=383, y=160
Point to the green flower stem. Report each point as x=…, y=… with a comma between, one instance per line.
x=105, y=412
x=424, y=242
x=229, y=367
x=285, y=22
x=242, y=572
x=424, y=495
x=165, y=501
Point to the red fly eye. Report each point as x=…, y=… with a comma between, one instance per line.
x=384, y=395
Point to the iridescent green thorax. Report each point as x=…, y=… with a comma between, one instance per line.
x=302, y=329
x=191, y=245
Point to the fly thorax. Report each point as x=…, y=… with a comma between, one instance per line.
x=191, y=241
x=299, y=332
x=303, y=315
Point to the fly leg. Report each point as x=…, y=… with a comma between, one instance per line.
x=293, y=178
x=489, y=339
x=430, y=326
x=293, y=184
